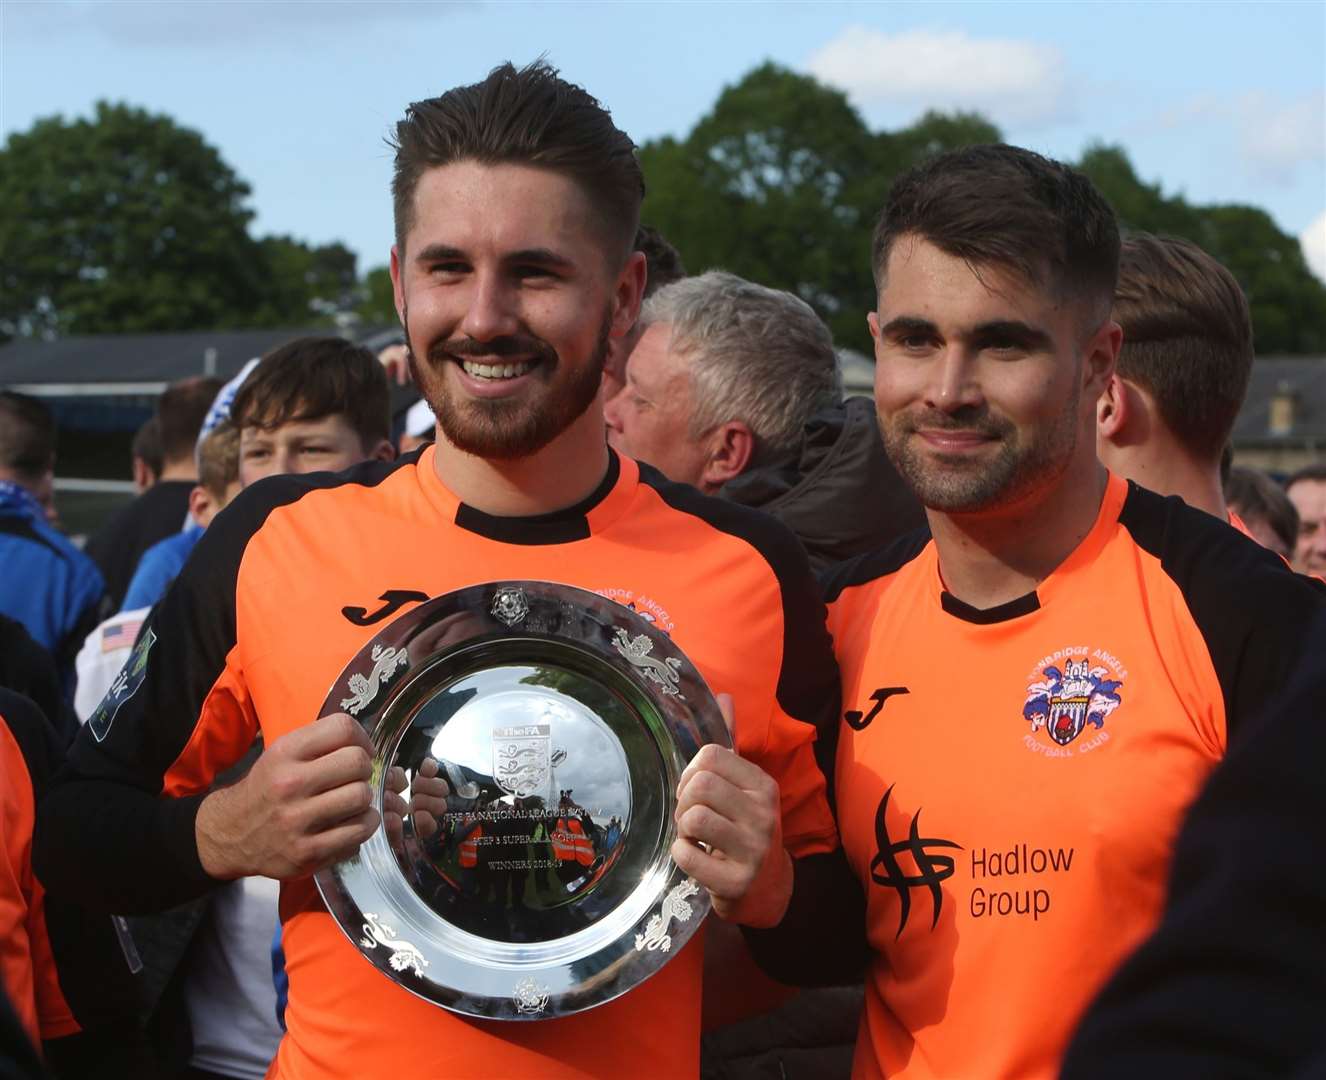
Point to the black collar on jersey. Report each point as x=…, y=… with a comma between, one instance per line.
x=1023, y=605
x=559, y=527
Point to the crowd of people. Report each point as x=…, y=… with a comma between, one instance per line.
x=1023, y=674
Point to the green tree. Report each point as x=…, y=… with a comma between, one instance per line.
x=306, y=285
x=124, y=222
x=1288, y=302
x=377, y=302
x=781, y=182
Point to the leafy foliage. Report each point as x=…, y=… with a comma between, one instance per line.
x=127, y=222
x=782, y=180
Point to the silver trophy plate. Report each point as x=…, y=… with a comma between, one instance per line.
x=542, y=883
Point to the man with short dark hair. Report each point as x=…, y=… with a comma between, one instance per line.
x=1165, y=416
x=146, y=455
x=48, y=585
x=662, y=267
x=516, y=206
x=161, y=510
x=1035, y=694
x=1268, y=514
x=734, y=388
x=1307, y=491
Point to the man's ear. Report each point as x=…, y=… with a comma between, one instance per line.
x=1112, y=409
x=383, y=451
x=628, y=294
x=1101, y=355
x=202, y=506
x=731, y=447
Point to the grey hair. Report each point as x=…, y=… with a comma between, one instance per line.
x=758, y=355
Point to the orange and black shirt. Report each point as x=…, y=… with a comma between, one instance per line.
x=1010, y=781
x=27, y=962
x=290, y=582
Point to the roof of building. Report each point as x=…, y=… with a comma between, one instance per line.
x=1301, y=380
x=117, y=364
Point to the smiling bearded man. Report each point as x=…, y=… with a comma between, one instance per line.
x=516, y=205
x=1036, y=691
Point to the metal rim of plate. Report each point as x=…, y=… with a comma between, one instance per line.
x=433, y=914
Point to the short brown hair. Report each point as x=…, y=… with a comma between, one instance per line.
x=313, y=377
x=1187, y=337
x=218, y=459
x=146, y=446
x=661, y=259
x=27, y=436
x=529, y=116
x=1004, y=206
x=181, y=410
x=1254, y=496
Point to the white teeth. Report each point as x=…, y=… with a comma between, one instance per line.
x=497, y=371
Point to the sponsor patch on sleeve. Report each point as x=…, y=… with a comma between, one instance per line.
x=124, y=687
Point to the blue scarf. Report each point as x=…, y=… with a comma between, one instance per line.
x=16, y=499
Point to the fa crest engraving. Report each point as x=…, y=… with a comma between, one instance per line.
x=386, y=661
x=523, y=759
x=510, y=606
x=663, y=673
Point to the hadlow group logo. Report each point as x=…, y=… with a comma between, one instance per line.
x=1070, y=691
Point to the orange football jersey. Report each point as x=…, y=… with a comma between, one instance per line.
x=292, y=580
x=1010, y=781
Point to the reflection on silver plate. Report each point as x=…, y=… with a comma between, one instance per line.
x=528, y=739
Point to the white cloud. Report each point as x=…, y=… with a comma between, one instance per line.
x=1011, y=81
x=1274, y=137
x=1278, y=137
x=1313, y=239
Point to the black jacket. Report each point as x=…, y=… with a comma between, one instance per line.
x=838, y=492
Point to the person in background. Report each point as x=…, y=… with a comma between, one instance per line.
x=26, y=668
x=146, y=455
x=1165, y=415
x=218, y=483
x=1267, y=513
x=734, y=389
x=48, y=585
x=316, y=404
x=1307, y=491
x=61, y=967
x=662, y=267
x=162, y=509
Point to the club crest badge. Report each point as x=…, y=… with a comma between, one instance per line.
x=124, y=687
x=510, y=606
x=523, y=759
x=1062, y=702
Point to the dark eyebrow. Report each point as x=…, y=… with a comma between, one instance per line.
x=438, y=253
x=1024, y=334
x=908, y=324
x=526, y=256
x=539, y=257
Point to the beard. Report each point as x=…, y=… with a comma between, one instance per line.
x=962, y=484
x=506, y=429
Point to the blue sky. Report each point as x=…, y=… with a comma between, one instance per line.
x=1224, y=102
